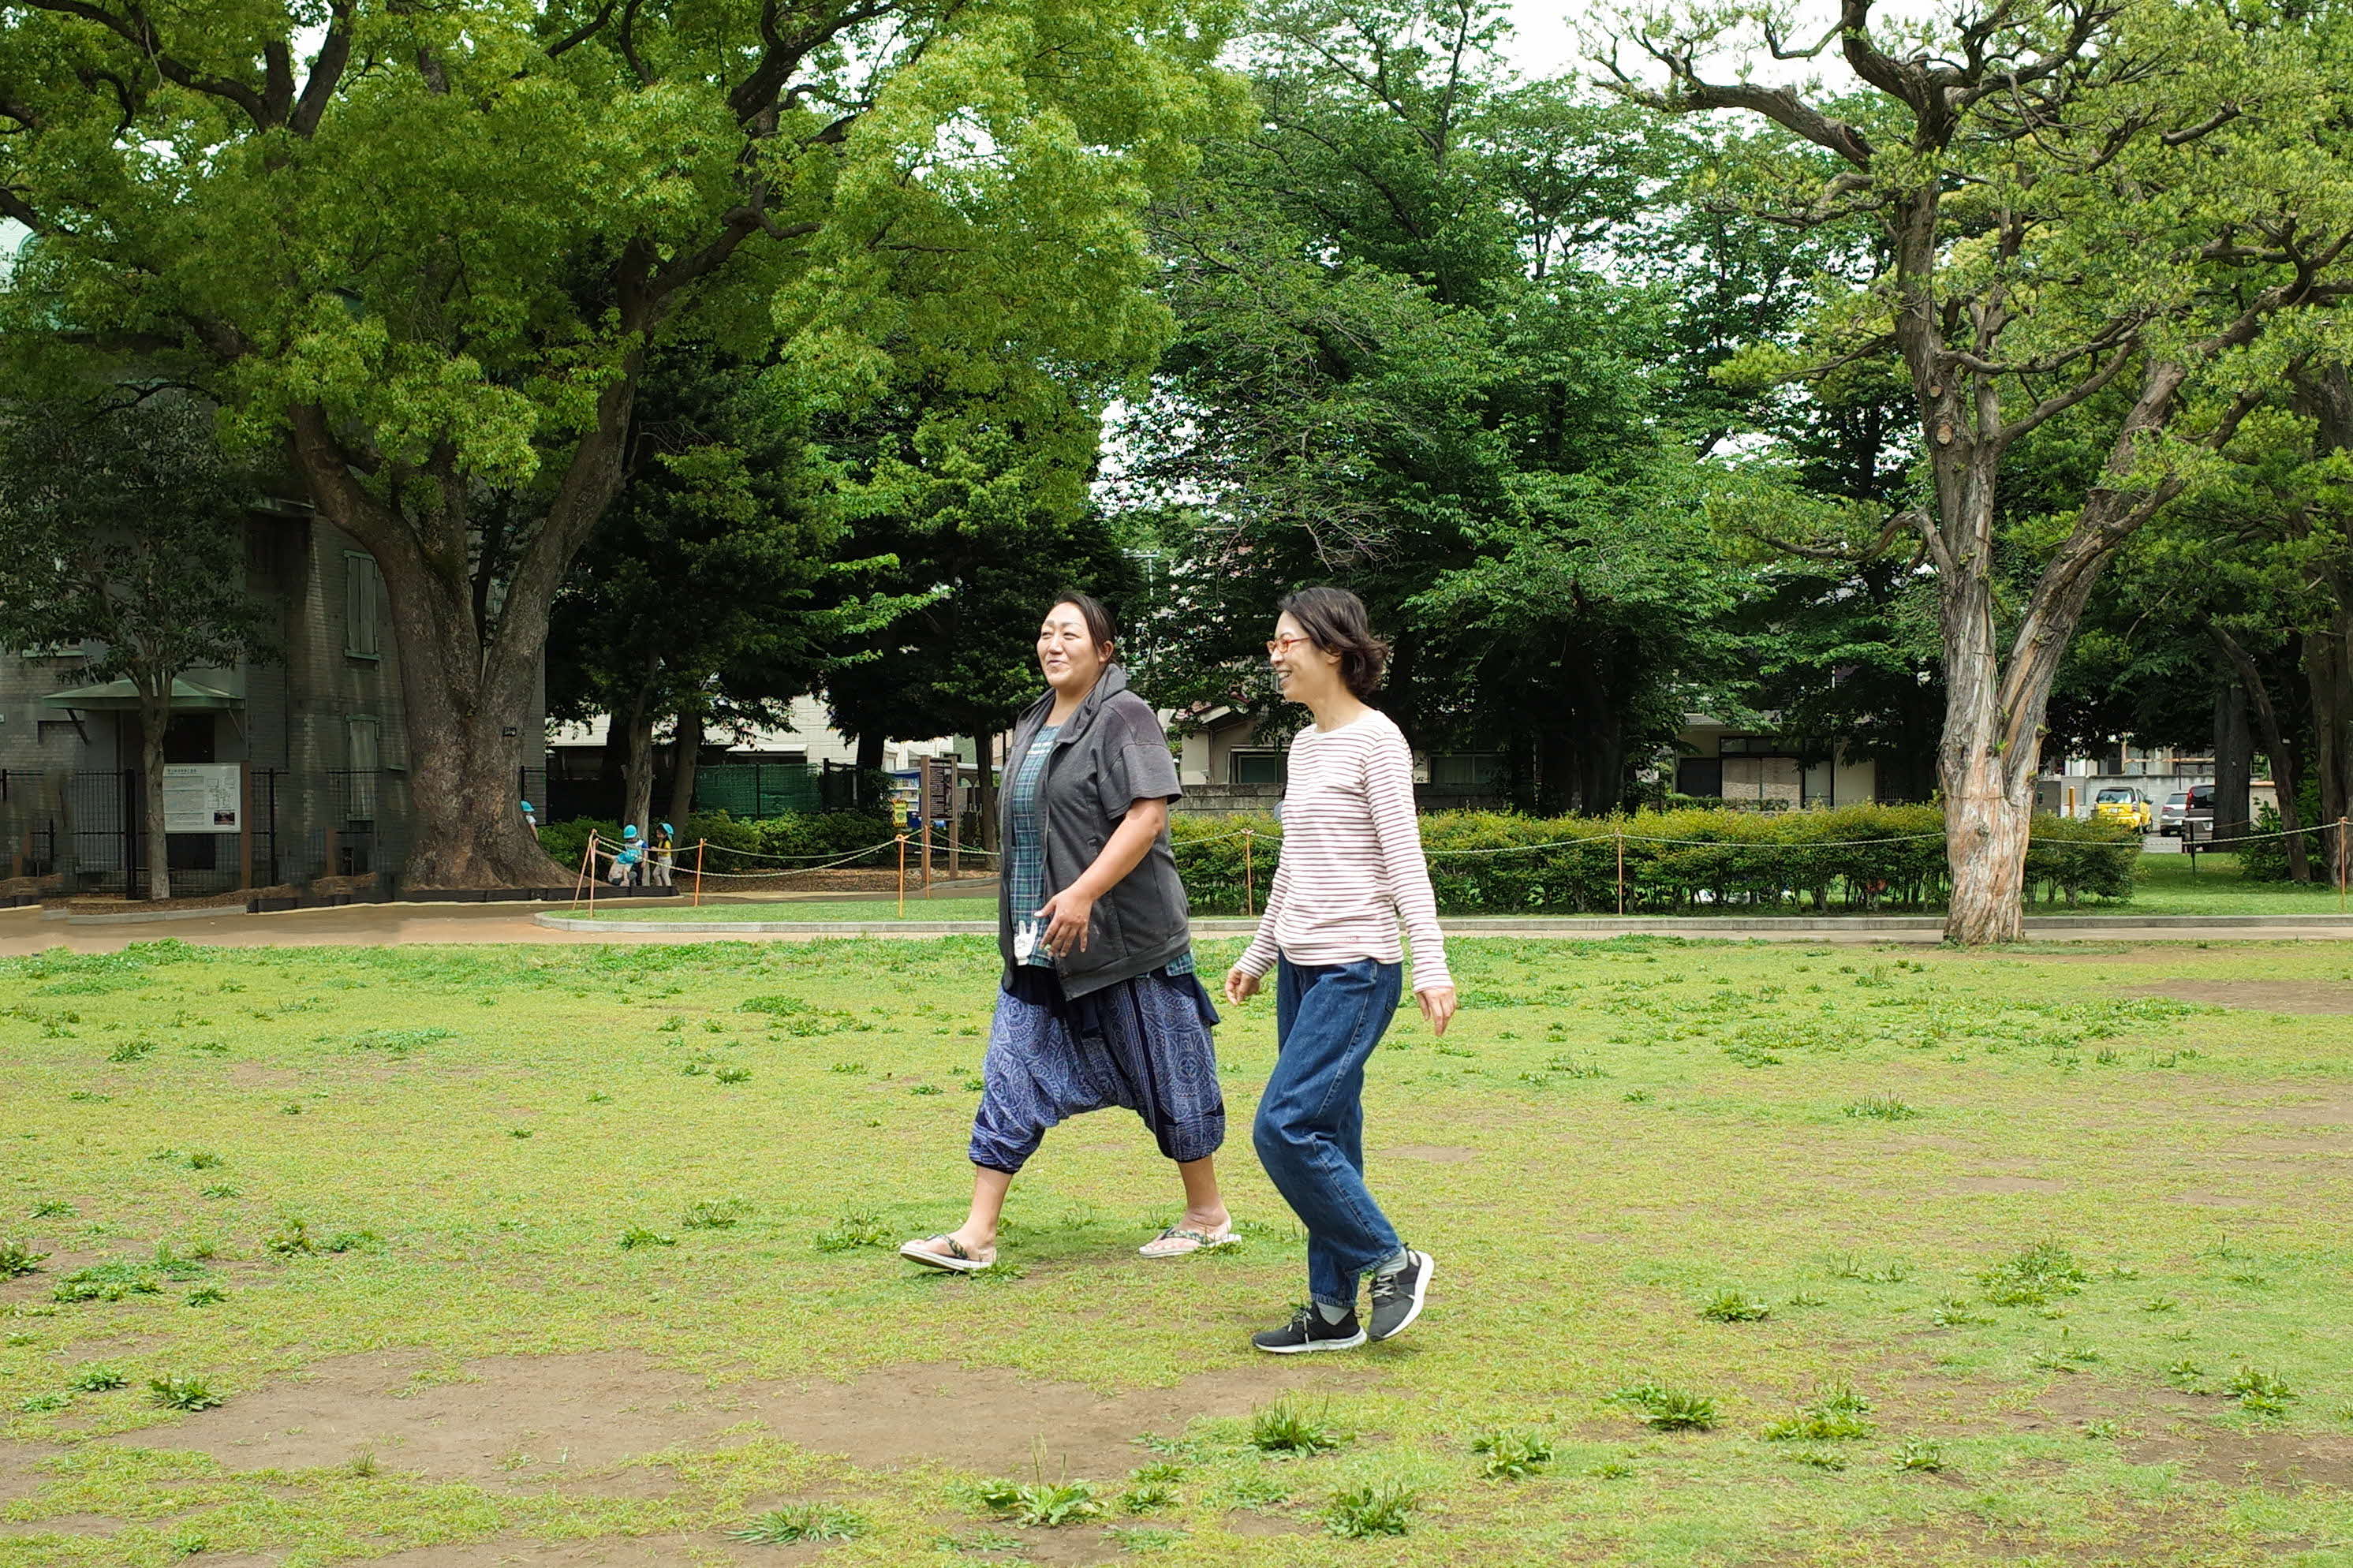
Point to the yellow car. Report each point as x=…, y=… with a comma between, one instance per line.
x=2122, y=804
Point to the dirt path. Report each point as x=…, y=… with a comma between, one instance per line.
x=23, y=932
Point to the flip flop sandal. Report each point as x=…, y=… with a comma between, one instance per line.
x=1182, y=1241
x=955, y=1260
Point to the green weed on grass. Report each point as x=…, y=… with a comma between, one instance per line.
x=859, y=1227
x=1377, y=1507
x=1511, y=1453
x=17, y=1260
x=801, y=1521
x=2259, y=1392
x=175, y=1393
x=2032, y=1277
x=1732, y=1307
x=1288, y=1427
x=1040, y=1503
x=1667, y=1409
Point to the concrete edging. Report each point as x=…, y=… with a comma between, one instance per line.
x=1909, y=926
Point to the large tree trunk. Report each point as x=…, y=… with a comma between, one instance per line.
x=686, y=761
x=2328, y=649
x=2328, y=666
x=467, y=683
x=154, y=718
x=637, y=773
x=984, y=790
x=1988, y=773
x=2287, y=770
x=2234, y=764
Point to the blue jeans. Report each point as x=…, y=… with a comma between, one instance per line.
x=1311, y=1122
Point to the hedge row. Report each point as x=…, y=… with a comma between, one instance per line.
x=801, y=834
x=1864, y=857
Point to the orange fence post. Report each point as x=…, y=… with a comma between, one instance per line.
x=902, y=876
x=592, y=874
x=1621, y=837
x=587, y=850
x=698, y=870
x=2344, y=865
x=1250, y=885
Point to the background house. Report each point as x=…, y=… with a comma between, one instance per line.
x=1747, y=765
x=307, y=755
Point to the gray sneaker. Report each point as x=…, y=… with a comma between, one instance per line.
x=1398, y=1295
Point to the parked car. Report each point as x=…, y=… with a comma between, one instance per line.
x=2123, y=803
x=2183, y=806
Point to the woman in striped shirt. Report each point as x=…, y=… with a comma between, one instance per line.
x=1351, y=867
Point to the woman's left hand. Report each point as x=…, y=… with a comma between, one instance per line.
x=1067, y=915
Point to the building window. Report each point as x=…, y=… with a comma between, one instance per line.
x=1257, y=767
x=1464, y=770
x=362, y=745
x=361, y=583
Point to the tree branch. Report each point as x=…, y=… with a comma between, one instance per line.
x=2059, y=403
x=326, y=71
x=140, y=34
x=583, y=33
x=1686, y=92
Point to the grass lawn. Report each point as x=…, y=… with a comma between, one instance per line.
x=2167, y=885
x=1748, y=1254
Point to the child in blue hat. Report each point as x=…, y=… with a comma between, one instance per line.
x=628, y=857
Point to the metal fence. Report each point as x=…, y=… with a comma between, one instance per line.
x=88, y=830
x=28, y=823
x=758, y=789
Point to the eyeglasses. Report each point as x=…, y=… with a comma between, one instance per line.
x=1283, y=644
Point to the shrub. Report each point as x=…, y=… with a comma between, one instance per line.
x=1677, y=860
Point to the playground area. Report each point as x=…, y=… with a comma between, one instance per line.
x=465, y=1253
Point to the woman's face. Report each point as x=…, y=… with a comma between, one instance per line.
x=1301, y=670
x=1068, y=655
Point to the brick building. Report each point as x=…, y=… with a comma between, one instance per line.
x=307, y=753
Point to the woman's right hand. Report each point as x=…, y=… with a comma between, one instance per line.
x=1239, y=987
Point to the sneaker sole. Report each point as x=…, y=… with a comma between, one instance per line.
x=1305, y=1346
x=1421, y=1296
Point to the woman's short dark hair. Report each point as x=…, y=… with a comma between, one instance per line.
x=1335, y=621
x=1100, y=628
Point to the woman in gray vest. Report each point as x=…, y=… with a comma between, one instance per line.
x=1099, y=1004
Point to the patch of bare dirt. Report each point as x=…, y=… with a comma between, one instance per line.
x=2316, y=997
x=578, y=1420
x=41, y=1285
x=1081, y=1547
x=1244, y=1521
x=2167, y=1427
x=17, y=1479
x=2004, y=1184
x=1435, y=1153
x=2330, y=1114
x=253, y=1075
x=640, y=1552
x=64, y=1524
x=983, y=1419
x=2217, y=1201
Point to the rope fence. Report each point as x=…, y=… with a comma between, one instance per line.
x=597, y=855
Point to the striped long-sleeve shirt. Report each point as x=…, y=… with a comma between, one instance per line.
x=1352, y=865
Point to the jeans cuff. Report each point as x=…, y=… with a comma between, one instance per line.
x=1348, y=1305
